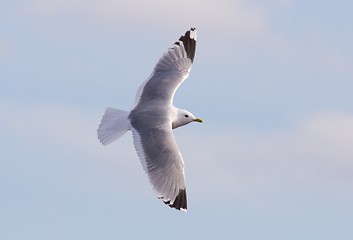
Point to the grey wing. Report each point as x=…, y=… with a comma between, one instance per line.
x=162, y=161
x=170, y=71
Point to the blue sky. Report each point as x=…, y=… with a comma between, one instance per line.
x=271, y=80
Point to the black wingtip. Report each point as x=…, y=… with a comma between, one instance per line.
x=189, y=41
x=180, y=202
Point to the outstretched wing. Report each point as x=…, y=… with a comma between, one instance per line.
x=170, y=71
x=162, y=161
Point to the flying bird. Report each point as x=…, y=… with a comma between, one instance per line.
x=152, y=119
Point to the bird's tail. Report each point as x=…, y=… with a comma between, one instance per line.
x=114, y=124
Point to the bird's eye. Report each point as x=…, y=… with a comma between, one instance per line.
x=186, y=115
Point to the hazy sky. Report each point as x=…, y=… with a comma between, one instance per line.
x=272, y=80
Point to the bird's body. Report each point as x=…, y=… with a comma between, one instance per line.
x=152, y=119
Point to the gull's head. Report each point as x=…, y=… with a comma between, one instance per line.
x=183, y=117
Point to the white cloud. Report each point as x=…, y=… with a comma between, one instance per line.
x=314, y=155
x=47, y=123
x=227, y=17
x=60, y=143
x=57, y=130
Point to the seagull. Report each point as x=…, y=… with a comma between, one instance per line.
x=152, y=119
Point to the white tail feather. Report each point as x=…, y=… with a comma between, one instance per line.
x=114, y=124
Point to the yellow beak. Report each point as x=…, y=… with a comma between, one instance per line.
x=198, y=120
